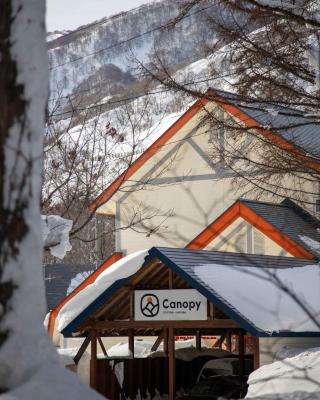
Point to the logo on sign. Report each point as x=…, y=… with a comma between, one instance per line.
x=149, y=305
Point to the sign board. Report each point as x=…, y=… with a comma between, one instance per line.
x=165, y=305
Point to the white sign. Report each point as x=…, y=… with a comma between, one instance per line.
x=174, y=304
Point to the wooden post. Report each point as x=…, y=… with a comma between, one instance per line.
x=241, y=354
x=93, y=360
x=229, y=342
x=172, y=366
x=131, y=343
x=198, y=340
x=165, y=341
x=256, y=352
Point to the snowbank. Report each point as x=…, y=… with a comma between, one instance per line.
x=121, y=269
x=66, y=355
x=185, y=350
x=296, y=377
x=50, y=383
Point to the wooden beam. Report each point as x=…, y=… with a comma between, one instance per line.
x=157, y=343
x=214, y=324
x=211, y=311
x=172, y=367
x=131, y=304
x=82, y=349
x=218, y=342
x=102, y=346
x=93, y=360
x=170, y=279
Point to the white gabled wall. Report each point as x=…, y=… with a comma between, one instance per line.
x=242, y=237
x=176, y=193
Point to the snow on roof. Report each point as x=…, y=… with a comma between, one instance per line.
x=297, y=376
x=121, y=269
x=261, y=294
x=267, y=295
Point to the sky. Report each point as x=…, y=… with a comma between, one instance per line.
x=70, y=14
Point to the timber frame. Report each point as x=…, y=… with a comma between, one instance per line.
x=115, y=317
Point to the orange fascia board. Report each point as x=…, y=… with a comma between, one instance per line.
x=238, y=210
x=201, y=241
x=271, y=136
x=54, y=313
x=151, y=151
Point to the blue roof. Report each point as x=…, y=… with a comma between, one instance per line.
x=266, y=295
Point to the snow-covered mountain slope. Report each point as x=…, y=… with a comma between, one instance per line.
x=79, y=58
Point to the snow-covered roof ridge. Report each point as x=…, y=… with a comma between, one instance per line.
x=238, y=284
x=121, y=269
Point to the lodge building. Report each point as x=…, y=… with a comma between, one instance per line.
x=216, y=265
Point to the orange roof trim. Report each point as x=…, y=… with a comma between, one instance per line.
x=153, y=149
x=273, y=137
x=54, y=313
x=238, y=210
x=167, y=135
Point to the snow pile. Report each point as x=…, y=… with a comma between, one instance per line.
x=77, y=280
x=246, y=289
x=52, y=382
x=66, y=355
x=312, y=244
x=296, y=377
x=55, y=231
x=185, y=350
x=123, y=268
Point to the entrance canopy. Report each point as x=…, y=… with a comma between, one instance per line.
x=264, y=295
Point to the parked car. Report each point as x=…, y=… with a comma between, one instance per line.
x=225, y=367
x=228, y=387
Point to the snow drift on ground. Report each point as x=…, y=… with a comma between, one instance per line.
x=123, y=268
x=185, y=350
x=296, y=377
x=52, y=382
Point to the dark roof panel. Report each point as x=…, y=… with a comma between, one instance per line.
x=58, y=279
x=289, y=219
x=292, y=124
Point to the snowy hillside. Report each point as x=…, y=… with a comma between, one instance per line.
x=89, y=55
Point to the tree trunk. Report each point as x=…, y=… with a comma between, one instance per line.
x=23, y=89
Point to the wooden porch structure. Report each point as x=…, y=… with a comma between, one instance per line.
x=116, y=318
